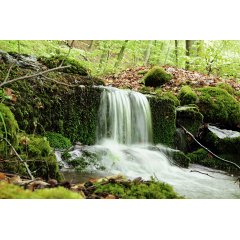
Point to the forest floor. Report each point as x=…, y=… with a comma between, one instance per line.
x=132, y=78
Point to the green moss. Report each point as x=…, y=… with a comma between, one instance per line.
x=8, y=129
x=56, y=60
x=181, y=159
x=187, y=96
x=218, y=106
x=149, y=190
x=226, y=87
x=9, y=191
x=190, y=118
x=57, y=140
x=163, y=120
x=168, y=95
x=156, y=77
x=38, y=147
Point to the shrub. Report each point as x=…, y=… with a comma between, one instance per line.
x=156, y=77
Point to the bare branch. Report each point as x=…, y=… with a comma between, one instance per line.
x=69, y=50
x=8, y=73
x=25, y=164
x=213, y=154
x=31, y=76
x=61, y=83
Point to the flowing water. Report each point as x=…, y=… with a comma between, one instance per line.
x=124, y=136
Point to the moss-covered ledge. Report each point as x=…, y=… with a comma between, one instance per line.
x=57, y=108
x=163, y=120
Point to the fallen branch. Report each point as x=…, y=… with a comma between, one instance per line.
x=31, y=76
x=202, y=173
x=25, y=164
x=61, y=83
x=213, y=154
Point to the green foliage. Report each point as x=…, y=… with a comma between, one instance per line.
x=156, y=77
x=9, y=191
x=187, y=96
x=8, y=128
x=86, y=160
x=190, y=118
x=55, y=61
x=150, y=190
x=163, y=120
x=218, y=106
x=57, y=140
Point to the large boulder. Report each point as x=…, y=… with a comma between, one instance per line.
x=189, y=117
x=218, y=106
x=156, y=77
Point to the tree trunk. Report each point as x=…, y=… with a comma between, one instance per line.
x=189, y=44
x=90, y=45
x=121, y=54
x=147, y=52
x=176, y=52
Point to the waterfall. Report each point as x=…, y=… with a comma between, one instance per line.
x=124, y=137
x=124, y=117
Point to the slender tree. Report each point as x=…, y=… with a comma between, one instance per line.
x=121, y=54
x=148, y=52
x=176, y=52
x=189, y=44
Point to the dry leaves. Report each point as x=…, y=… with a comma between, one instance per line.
x=132, y=78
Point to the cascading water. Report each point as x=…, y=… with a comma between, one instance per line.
x=124, y=117
x=124, y=136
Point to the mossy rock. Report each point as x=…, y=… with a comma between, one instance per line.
x=190, y=118
x=218, y=106
x=156, y=77
x=43, y=161
x=135, y=190
x=57, y=140
x=163, y=120
x=8, y=129
x=202, y=157
x=187, y=96
x=181, y=159
x=222, y=145
x=10, y=191
x=55, y=61
x=168, y=95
